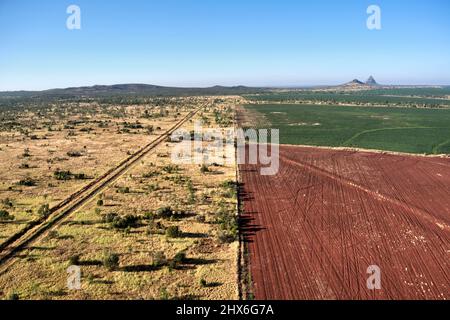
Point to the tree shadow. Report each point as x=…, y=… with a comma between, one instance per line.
x=41, y=248
x=88, y=263
x=212, y=284
x=21, y=221
x=65, y=237
x=140, y=268
x=194, y=235
x=82, y=223
x=101, y=281
x=247, y=226
x=191, y=263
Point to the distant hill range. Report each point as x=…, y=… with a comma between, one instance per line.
x=132, y=90
x=142, y=90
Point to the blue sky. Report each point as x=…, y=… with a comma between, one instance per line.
x=229, y=42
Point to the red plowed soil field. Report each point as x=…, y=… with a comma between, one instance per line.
x=314, y=228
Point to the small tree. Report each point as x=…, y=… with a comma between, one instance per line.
x=44, y=210
x=203, y=282
x=180, y=257
x=164, y=212
x=204, y=168
x=5, y=216
x=13, y=296
x=74, y=260
x=111, y=261
x=158, y=259
x=173, y=232
x=27, y=182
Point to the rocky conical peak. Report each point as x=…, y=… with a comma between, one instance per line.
x=371, y=81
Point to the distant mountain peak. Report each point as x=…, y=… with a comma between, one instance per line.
x=371, y=81
x=354, y=82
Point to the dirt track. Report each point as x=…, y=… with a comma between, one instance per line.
x=313, y=229
x=10, y=247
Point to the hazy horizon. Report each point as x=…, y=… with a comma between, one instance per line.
x=287, y=86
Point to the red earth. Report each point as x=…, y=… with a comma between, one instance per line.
x=313, y=229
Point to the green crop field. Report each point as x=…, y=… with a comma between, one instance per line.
x=394, y=129
x=419, y=97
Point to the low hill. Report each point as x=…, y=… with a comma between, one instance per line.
x=131, y=89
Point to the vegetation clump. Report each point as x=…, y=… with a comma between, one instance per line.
x=44, y=210
x=204, y=168
x=173, y=232
x=64, y=175
x=128, y=221
x=118, y=222
x=27, y=182
x=74, y=260
x=158, y=259
x=6, y=216
x=228, y=225
x=74, y=154
x=111, y=261
x=171, y=168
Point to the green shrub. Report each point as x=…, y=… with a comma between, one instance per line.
x=24, y=166
x=111, y=261
x=44, y=210
x=74, y=154
x=13, y=296
x=109, y=217
x=164, y=294
x=155, y=228
x=170, y=168
x=150, y=174
x=164, y=212
x=123, y=190
x=158, y=259
x=80, y=176
x=228, y=184
x=226, y=236
x=200, y=218
x=27, y=182
x=5, y=216
x=180, y=257
x=99, y=202
x=53, y=234
x=7, y=202
x=62, y=175
x=152, y=187
x=74, y=260
x=204, y=168
x=129, y=221
x=26, y=153
x=149, y=216
x=173, y=232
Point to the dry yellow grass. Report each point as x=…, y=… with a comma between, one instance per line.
x=42, y=271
